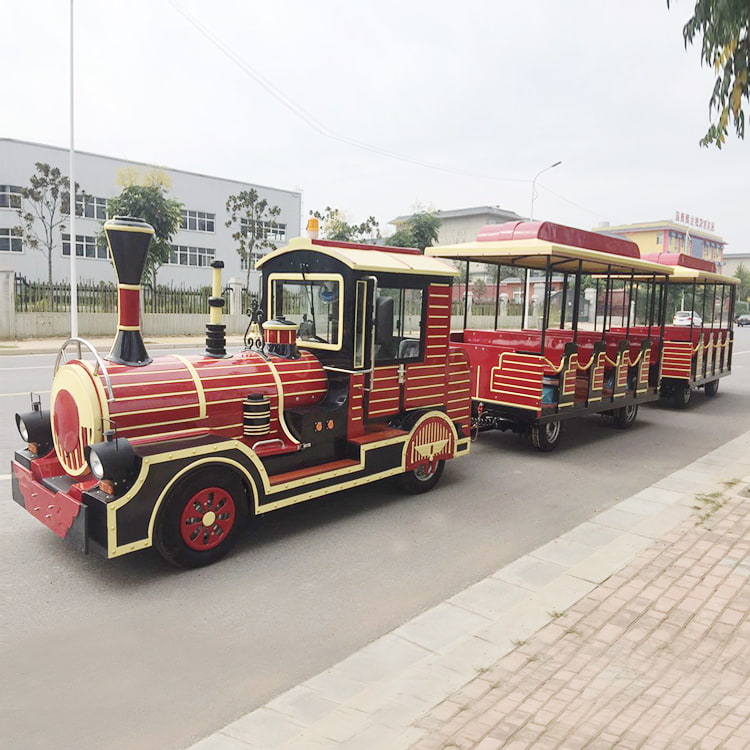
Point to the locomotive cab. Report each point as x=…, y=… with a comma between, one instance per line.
x=353, y=307
x=371, y=317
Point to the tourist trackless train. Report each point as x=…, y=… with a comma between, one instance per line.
x=350, y=374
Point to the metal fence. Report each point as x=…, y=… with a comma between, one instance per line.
x=101, y=297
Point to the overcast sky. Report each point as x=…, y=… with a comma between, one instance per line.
x=453, y=104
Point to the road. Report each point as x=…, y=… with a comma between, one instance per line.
x=130, y=653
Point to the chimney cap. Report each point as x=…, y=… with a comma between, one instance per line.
x=129, y=223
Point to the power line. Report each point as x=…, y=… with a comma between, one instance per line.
x=310, y=120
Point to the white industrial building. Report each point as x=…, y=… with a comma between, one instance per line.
x=463, y=224
x=202, y=238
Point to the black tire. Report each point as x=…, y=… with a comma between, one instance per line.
x=711, y=388
x=421, y=479
x=681, y=396
x=544, y=437
x=201, y=517
x=625, y=416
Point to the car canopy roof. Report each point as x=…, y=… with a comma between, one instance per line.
x=544, y=244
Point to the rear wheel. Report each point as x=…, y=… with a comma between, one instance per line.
x=712, y=388
x=681, y=396
x=422, y=478
x=624, y=417
x=545, y=437
x=201, y=518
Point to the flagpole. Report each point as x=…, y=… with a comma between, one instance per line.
x=72, y=192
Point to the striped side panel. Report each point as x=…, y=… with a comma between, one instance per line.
x=385, y=396
x=517, y=380
x=458, y=396
x=676, y=359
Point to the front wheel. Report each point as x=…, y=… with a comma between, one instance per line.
x=625, y=416
x=423, y=478
x=545, y=437
x=712, y=388
x=201, y=518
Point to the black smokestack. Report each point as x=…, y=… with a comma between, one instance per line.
x=128, y=241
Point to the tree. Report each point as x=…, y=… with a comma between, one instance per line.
x=743, y=288
x=144, y=196
x=478, y=290
x=253, y=218
x=45, y=204
x=725, y=28
x=335, y=226
x=419, y=230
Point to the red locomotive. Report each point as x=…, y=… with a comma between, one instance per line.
x=356, y=381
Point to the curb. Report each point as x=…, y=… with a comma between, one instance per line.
x=375, y=697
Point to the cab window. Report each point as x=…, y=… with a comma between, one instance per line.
x=398, y=325
x=314, y=305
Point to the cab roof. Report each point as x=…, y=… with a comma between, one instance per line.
x=368, y=257
x=534, y=244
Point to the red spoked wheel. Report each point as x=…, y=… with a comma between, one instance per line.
x=208, y=518
x=201, y=517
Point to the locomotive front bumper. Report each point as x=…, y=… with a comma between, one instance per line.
x=57, y=509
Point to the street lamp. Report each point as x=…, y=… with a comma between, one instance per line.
x=527, y=285
x=72, y=190
x=533, y=186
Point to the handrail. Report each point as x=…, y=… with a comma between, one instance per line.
x=100, y=366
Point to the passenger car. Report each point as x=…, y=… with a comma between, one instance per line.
x=687, y=318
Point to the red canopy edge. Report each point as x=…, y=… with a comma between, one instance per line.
x=559, y=234
x=680, y=259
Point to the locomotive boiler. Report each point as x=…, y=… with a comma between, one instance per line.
x=353, y=380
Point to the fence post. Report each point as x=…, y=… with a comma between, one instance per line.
x=235, y=306
x=7, y=303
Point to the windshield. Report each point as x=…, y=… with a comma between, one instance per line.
x=313, y=304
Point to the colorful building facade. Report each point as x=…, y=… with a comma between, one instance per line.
x=685, y=234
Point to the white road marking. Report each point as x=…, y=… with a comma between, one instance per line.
x=24, y=393
x=29, y=367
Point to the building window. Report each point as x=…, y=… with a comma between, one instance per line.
x=10, y=196
x=254, y=258
x=86, y=247
x=182, y=255
x=198, y=221
x=266, y=230
x=92, y=207
x=658, y=239
x=10, y=242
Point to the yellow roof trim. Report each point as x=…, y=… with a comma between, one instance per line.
x=682, y=273
x=369, y=260
x=535, y=252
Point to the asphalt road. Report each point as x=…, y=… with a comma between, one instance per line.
x=130, y=653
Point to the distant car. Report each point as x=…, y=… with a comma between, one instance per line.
x=687, y=318
x=743, y=320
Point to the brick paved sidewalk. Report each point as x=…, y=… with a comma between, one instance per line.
x=656, y=657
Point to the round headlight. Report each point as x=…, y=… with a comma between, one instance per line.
x=95, y=464
x=35, y=427
x=113, y=459
x=22, y=429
